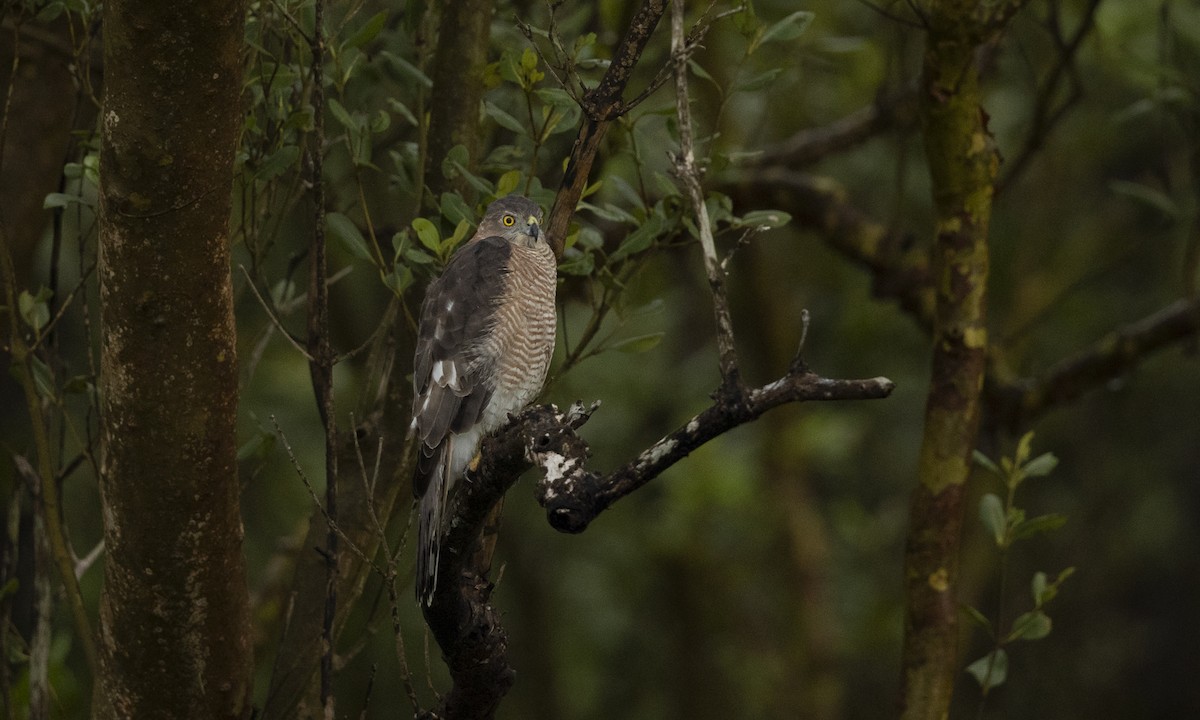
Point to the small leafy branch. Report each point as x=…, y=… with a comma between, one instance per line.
x=1007, y=523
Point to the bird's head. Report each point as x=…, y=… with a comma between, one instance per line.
x=515, y=218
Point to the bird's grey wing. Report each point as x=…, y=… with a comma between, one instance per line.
x=453, y=372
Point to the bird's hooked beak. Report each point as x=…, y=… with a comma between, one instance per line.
x=533, y=230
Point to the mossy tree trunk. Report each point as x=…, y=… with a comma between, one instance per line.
x=174, y=638
x=962, y=164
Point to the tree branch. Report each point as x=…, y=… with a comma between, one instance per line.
x=1018, y=402
x=1046, y=115
x=601, y=105
x=689, y=175
x=896, y=109
x=573, y=496
x=899, y=269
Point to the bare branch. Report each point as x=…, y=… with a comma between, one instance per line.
x=601, y=105
x=899, y=269
x=689, y=175
x=1017, y=403
x=806, y=147
x=574, y=496
x=1045, y=114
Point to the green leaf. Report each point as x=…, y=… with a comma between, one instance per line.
x=577, y=263
x=399, y=279
x=278, y=161
x=763, y=218
x=1038, y=588
x=460, y=233
x=402, y=110
x=1151, y=197
x=639, y=344
x=980, y=619
x=34, y=308
x=343, y=229
x=561, y=117
x=380, y=121
x=640, y=239
x=455, y=165
x=746, y=21
x=508, y=182
x=556, y=97
x=991, y=670
x=1033, y=625
x=991, y=512
x=1041, y=523
x=427, y=233
x=43, y=378
x=504, y=120
x=78, y=385
x=342, y=115
x=418, y=257
x=50, y=12
x=986, y=463
x=700, y=72
x=454, y=208
x=1024, y=448
x=1044, y=591
x=10, y=588
x=368, y=31
x=258, y=447
x=404, y=67
x=529, y=59
x=1041, y=465
x=60, y=200
x=789, y=28
x=758, y=82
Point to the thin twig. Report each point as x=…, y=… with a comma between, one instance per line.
x=389, y=578
x=274, y=320
x=316, y=499
x=321, y=355
x=1046, y=117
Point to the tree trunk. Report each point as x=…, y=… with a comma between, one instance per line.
x=962, y=165
x=175, y=638
x=458, y=64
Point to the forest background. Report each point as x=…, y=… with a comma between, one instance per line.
x=776, y=572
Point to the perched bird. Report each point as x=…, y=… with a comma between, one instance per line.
x=483, y=346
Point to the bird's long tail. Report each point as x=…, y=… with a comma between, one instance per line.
x=429, y=524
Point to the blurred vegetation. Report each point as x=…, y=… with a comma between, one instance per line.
x=762, y=576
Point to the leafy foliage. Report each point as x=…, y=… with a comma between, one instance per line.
x=763, y=569
x=1006, y=523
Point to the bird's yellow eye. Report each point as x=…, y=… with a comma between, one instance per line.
x=509, y=221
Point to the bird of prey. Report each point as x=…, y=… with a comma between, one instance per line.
x=483, y=346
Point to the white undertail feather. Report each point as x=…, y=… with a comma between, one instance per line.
x=455, y=455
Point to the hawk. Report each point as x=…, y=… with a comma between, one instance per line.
x=484, y=343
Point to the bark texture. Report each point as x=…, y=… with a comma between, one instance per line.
x=458, y=64
x=174, y=637
x=962, y=163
